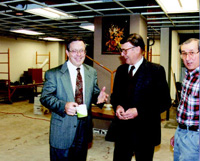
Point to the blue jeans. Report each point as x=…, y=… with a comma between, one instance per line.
x=186, y=145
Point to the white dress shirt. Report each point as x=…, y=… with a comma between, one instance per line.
x=73, y=75
x=137, y=65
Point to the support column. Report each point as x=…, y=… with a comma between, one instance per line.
x=165, y=54
x=138, y=25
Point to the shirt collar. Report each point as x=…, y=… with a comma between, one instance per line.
x=194, y=72
x=73, y=67
x=137, y=65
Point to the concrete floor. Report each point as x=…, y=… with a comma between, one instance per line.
x=25, y=136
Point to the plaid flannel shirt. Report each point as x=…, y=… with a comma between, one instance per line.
x=188, y=109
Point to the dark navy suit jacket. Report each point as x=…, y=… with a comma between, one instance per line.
x=147, y=91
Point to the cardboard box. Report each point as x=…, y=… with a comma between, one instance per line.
x=37, y=109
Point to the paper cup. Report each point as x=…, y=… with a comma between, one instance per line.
x=82, y=111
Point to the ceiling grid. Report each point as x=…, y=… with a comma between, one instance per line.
x=13, y=15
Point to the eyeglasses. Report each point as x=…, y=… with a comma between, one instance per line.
x=77, y=51
x=125, y=50
x=185, y=54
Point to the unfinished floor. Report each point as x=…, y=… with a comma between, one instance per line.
x=24, y=136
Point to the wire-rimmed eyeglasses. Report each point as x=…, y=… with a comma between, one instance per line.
x=125, y=50
x=77, y=51
x=191, y=54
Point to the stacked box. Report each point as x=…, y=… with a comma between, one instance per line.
x=37, y=106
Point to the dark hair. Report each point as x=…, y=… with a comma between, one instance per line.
x=135, y=40
x=189, y=41
x=75, y=38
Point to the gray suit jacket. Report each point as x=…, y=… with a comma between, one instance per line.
x=57, y=91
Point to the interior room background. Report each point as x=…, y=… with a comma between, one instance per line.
x=23, y=54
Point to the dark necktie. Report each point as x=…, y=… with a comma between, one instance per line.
x=79, y=88
x=131, y=72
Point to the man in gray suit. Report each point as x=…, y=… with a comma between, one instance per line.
x=69, y=135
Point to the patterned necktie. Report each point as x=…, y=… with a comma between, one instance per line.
x=79, y=88
x=131, y=72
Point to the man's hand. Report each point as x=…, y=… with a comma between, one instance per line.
x=103, y=96
x=172, y=141
x=70, y=108
x=120, y=112
x=131, y=113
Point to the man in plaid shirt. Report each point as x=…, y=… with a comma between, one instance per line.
x=186, y=140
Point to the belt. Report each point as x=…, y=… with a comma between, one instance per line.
x=192, y=128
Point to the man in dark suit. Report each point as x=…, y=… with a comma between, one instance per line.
x=139, y=97
x=69, y=135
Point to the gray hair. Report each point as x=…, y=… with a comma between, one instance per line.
x=189, y=41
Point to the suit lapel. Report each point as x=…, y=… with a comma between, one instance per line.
x=66, y=81
x=140, y=78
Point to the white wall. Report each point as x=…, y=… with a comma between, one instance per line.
x=54, y=48
x=156, y=52
x=23, y=55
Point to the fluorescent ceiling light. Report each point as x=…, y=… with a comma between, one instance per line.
x=87, y=26
x=51, y=39
x=49, y=13
x=27, y=32
x=179, y=6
